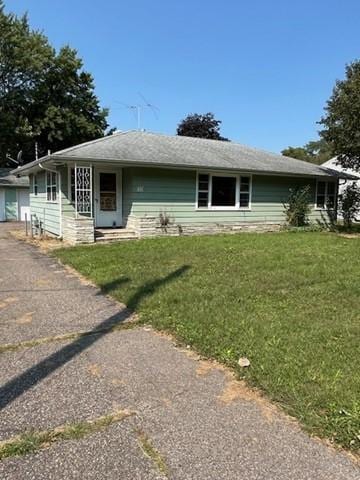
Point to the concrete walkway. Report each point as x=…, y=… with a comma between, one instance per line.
x=199, y=422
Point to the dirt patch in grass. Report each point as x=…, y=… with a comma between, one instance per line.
x=43, y=282
x=238, y=390
x=205, y=367
x=117, y=382
x=46, y=244
x=349, y=235
x=25, y=319
x=71, y=272
x=8, y=301
x=94, y=370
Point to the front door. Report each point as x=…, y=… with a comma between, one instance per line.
x=108, y=198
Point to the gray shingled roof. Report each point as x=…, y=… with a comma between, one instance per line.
x=7, y=179
x=144, y=148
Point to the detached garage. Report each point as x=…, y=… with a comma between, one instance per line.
x=14, y=196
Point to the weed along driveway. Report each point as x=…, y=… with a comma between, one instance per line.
x=87, y=391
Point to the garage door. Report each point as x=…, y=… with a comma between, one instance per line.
x=24, y=208
x=2, y=205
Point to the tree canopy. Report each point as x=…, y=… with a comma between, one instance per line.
x=45, y=96
x=317, y=151
x=200, y=125
x=341, y=122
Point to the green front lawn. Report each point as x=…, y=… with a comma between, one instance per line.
x=288, y=301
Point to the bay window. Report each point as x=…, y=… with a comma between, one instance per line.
x=223, y=191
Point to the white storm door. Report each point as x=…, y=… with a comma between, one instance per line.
x=108, y=198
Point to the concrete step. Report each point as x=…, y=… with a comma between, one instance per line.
x=114, y=235
x=114, y=239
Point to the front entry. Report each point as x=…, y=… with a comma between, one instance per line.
x=108, y=195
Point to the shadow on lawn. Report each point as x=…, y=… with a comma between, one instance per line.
x=35, y=374
x=109, y=287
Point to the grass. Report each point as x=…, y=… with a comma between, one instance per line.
x=31, y=442
x=151, y=452
x=354, y=228
x=288, y=301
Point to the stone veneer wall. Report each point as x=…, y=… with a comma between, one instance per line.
x=78, y=230
x=150, y=227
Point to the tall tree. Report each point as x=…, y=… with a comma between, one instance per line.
x=296, y=152
x=317, y=151
x=200, y=125
x=341, y=121
x=45, y=96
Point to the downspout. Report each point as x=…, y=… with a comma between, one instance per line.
x=60, y=196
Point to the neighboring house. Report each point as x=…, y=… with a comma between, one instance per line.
x=334, y=166
x=150, y=184
x=14, y=196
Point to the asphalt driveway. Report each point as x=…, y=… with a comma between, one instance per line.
x=199, y=422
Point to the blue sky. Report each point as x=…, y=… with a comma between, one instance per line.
x=265, y=68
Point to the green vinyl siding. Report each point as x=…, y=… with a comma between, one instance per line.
x=11, y=204
x=48, y=213
x=68, y=208
x=147, y=192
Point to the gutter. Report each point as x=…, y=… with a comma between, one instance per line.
x=17, y=171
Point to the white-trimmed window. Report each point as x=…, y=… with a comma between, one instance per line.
x=223, y=191
x=325, y=194
x=51, y=186
x=35, y=184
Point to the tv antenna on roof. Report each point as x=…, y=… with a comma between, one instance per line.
x=138, y=109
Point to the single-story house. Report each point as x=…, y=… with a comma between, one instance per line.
x=332, y=163
x=14, y=196
x=151, y=184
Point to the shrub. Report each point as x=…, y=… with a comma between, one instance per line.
x=297, y=208
x=165, y=220
x=349, y=203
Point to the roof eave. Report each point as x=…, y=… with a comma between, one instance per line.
x=340, y=174
x=14, y=185
x=323, y=172
x=18, y=171
x=144, y=163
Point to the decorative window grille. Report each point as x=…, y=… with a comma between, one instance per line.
x=83, y=190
